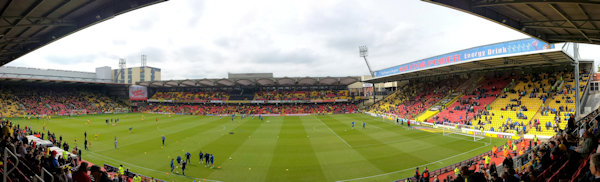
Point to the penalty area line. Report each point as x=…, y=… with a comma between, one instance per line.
x=438, y=161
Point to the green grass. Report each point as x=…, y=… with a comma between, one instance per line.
x=290, y=148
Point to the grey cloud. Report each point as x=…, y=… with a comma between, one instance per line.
x=300, y=56
x=197, y=7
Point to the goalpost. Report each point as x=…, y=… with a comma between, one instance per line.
x=78, y=112
x=450, y=129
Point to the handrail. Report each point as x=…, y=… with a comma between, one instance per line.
x=20, y=172
x=46, y=171
x=558, y=171
x=576, y=175
x=37, y=178
x=6, y=171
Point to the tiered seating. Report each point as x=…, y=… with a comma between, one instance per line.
x=388, y=105
x=253, y=109
x=302, y=95
x=472, y=104
x=190, y=96
x=517, y=106
x=559, y=107
x=9, y=107
x=33, y=100
x=415, y=99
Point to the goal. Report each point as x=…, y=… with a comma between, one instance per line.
x=464, y=131
x=78, y=112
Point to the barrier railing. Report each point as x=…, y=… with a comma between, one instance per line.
x=44, y=171
x=6, y=170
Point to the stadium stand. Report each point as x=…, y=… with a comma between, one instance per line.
x=302, y=95
x=38, y=100
x=190, y=96
x=566, y=156
x=473, y=103
x=415, y=98
x=222, y=109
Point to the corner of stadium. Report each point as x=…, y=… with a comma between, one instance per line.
x=518, y=110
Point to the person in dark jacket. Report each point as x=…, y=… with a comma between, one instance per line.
x=595, y=167
x=99, y=175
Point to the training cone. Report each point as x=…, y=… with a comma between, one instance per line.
x=249, y=169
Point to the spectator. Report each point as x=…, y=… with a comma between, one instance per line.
x=595, y=167
x=81, y=174
x=99, y=175
x=588, y=144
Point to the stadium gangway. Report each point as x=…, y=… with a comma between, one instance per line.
x=5, y=170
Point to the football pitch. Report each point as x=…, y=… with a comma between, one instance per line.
x=287, y=148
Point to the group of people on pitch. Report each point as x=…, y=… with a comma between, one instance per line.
x=204, y=158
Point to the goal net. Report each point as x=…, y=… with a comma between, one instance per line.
x=463, y=131
x=78, y=112
x=121, y=110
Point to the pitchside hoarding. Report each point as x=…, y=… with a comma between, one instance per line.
x=138, y=93
x=503, y=48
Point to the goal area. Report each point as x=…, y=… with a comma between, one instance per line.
x=463, y=131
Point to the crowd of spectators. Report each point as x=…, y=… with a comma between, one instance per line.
x=570, y=155
x=35, y=157
x=415, y=98
x=302, y=95
x=216, y=109
x=191, y=96
x=204, y=96
x=19, y=101
x=472, y=105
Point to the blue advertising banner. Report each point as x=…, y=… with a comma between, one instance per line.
x=503, y=48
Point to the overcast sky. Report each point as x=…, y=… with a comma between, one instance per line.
x=207, y=39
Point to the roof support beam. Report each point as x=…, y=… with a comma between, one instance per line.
x=40, y=24
x=482, y=64
x=587, y=16
x=10, y=19
x=546, y=58
x=560, y=27
x=512, y=61
x=562, y=14
x=26, y=14
x=456, y=68
x=44, y=15
x=3, y=11
x=518, y=12
x=505, y=2
x=558, y=21
x=541, y=14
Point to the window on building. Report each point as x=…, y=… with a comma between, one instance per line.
x=152, y=74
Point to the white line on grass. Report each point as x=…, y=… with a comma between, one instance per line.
x=350, y=146
x=413, y=167
x=129, y=164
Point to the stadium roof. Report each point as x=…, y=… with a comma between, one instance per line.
x=49, y=82
x=527, y=60
x=552, y=21
x=26, y=25
x=284, y=81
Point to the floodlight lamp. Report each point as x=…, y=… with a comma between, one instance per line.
x=363, y=50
